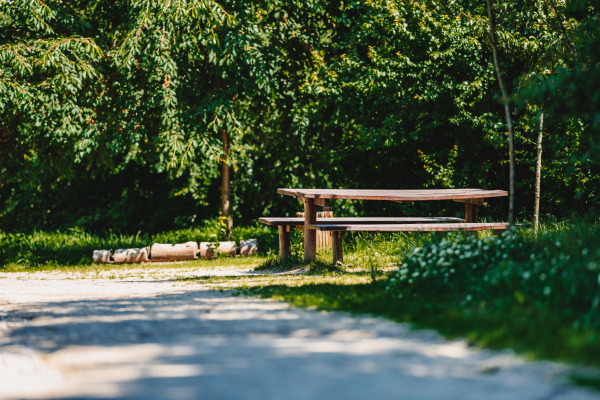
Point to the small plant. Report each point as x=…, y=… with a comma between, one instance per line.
x=219, y=229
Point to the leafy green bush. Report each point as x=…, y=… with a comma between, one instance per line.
x=553, y=273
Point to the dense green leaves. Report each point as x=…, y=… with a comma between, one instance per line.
x=111, y=113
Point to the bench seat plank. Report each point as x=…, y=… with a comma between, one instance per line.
x=279, y=221
x=410, y=227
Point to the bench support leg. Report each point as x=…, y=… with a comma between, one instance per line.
x=471, y=216
x=310, y=235
x=285, y=247
x=337, y=238
x=470, y=213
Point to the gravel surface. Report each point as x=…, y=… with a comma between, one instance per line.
x=155, y=338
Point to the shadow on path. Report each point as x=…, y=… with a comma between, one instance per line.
x=193, y=344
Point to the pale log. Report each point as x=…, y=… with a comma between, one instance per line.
x=174, y=252
x=207, y=250
x=139, y=255
x=102, y=257
x=227, y=248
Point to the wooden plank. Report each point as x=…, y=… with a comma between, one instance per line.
x=393, y=195
x=285, y=246
x=277, y=221
x=310, y=235
x=337, y=239
x=411, y=227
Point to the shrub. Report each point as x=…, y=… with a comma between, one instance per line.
x=554, y=274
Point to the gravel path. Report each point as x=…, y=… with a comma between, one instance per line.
x=159, y=339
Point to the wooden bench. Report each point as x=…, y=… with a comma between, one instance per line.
x=285, y=225
x=337, y=230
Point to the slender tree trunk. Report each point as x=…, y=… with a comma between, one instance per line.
x=509, y=122
x=226, y=185
x=538, y=176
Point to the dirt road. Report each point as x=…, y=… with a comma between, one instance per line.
x=154, y=338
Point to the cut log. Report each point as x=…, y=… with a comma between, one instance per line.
x=131, y=255
x=207, y=250
x=227, y=248
x=248, y=247
x=174, y=252
x=102, y=257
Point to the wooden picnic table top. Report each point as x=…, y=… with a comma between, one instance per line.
x=393, y=194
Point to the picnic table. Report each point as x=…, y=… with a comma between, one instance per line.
x=311, y=198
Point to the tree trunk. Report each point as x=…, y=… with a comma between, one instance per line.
x=226, y=186
x=538, y=176
x=509, y=122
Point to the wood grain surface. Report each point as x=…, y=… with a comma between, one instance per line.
x=279, y=221
x=310, y=235
x=393, y=194
x=410, y=227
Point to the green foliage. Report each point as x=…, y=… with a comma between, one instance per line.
x=552, y=274
x=111, y=114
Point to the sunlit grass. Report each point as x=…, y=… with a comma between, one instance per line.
x=74, y=248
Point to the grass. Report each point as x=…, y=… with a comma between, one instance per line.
x=74, y=248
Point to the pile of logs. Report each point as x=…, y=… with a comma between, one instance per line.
x=175, y=252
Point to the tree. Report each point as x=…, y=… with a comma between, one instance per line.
x=509, y=123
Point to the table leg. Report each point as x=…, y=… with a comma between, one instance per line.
x=310, y=235
x=470, y=213
x=336, y=246
x=285, y=248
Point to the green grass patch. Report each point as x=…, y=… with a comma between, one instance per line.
x=74, y=248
